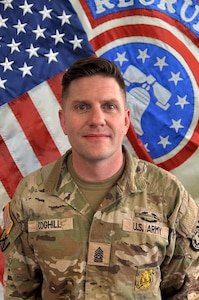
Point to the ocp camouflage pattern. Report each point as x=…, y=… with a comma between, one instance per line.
x=140, y=244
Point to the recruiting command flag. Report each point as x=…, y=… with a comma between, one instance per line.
x=155, y=43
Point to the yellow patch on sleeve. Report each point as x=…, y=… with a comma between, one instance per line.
x=8, y=223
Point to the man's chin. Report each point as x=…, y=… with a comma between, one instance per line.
x=97, y=155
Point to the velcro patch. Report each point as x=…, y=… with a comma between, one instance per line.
x=99, y=254
x=8, y=223
x=144, y=227
x=195, y=240
x=50, y=225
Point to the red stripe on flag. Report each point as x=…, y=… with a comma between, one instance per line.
x=35, y=130
x=1, y=262
x=55, y=85
x=9, y=172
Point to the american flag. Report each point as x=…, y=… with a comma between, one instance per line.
x=156, y=41
x=38, y=41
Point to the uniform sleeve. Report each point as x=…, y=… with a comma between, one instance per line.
x=180, y=272
x=22, y=276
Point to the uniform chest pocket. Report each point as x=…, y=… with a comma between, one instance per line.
x=137, y=255
x=58, y=237
x=139, y=244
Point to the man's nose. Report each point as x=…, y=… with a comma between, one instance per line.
x=96, y=117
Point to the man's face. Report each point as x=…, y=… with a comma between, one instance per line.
x=95, y=118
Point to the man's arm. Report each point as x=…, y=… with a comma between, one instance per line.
x=22, y=276
x=181, y=271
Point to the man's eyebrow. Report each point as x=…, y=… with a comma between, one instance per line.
x=80, y=101
x=91, y=101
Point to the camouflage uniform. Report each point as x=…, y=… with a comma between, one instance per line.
x=142, y=242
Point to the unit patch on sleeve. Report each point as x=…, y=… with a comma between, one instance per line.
x=8, y=223
x=195, y=240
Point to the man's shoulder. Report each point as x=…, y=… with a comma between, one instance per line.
x=38, y=178
x=43, y=171
x=145, y=168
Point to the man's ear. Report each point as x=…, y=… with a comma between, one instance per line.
x=62, y=120
x=127, y=119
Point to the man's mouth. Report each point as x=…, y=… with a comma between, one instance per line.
x=96, y=136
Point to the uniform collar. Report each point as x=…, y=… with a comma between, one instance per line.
x=54, y=179
x=131, y=179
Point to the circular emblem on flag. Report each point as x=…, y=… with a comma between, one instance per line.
x=161, y=73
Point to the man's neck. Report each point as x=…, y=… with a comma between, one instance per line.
x=96, y=170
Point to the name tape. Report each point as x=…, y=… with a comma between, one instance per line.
x=141, y=227
x=54, y=224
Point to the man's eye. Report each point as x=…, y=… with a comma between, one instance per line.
x=109, y=106
x=82, y=107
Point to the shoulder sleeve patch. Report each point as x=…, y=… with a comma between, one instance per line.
x=8, y=223
x=195, y=240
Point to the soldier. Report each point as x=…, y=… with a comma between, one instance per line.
x=99, y=223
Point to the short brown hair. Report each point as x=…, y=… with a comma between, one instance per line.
x=91, y=66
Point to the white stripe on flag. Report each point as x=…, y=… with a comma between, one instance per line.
x=17, y=142
x=48, y=108
x=83, y=18
x=4, y=199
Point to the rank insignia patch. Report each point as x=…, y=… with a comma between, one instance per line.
x=99, y=254
x=144, y=279
x=8, y=223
